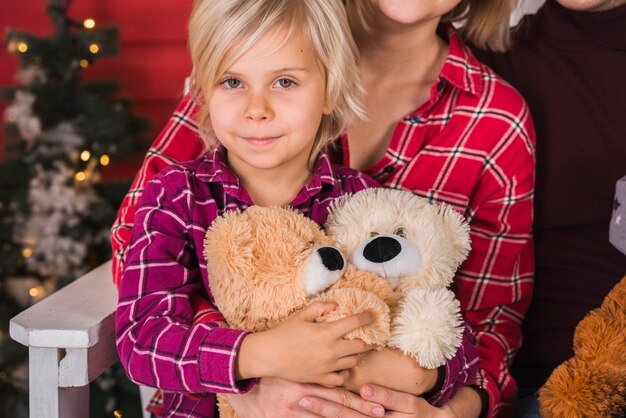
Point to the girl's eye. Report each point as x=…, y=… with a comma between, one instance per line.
x=231, y=83
x=284, y=83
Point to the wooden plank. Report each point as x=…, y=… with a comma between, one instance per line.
x=138, y=19
x=77, y=316
x=154, y=72
x=43, y=364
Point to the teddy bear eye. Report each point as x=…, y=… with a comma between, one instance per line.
x=373, y=234
x=307, y=246
x=400, y=232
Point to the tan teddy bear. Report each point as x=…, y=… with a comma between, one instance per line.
x=266, y=263
x=593, y=382
x=417, y=247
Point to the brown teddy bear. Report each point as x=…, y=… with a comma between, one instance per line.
x=593, y=382
x=266, y=263
x=417, y=247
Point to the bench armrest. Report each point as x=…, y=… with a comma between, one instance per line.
x=71, y=340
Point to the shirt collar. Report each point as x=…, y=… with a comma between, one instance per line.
x=214, y=169
x=461, y=68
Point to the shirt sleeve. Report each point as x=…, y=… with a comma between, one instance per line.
x=494, y=285
x=166, y=150
x=158, y=342
x=458, y=371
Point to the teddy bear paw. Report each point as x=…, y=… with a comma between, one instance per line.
x=428, y=326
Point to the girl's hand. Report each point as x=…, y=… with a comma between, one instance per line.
x=279, y=398
x=392, y=369
x=302, y=350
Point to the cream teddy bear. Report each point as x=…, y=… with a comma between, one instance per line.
x=417, y=247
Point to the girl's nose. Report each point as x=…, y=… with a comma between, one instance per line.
x=258, y=108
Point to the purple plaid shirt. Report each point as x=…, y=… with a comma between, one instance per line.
x=158, y=342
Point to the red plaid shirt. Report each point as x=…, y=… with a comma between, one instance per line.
x=470, y=146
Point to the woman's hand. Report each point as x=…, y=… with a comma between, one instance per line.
x=277, y=398
x=392, y=369
x=397, y=405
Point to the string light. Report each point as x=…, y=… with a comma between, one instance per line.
x=27, y=252
x=117, y=413
x=94, y=48
x=34, y=292
x=84, y=63
x=85, y=155
x=80, y=176
x=22, y=47
x=89, y=23
x=105, y=160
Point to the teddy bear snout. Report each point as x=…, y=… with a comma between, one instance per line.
x=389, y=256
x=382, y=249
x=331, y=258
x=325, y=267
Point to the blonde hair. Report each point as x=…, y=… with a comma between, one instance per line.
x=484, y=23
x=220, y=27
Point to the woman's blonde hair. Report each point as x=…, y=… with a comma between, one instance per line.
x=218, y=28
x=483, y=23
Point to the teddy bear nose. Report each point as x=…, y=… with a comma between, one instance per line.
x=382, y=249
x=331, y=257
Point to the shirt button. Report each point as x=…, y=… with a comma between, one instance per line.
x=414, y=119
x=440, y=85
x=388, y=169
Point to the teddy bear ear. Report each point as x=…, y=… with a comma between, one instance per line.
x=452, y=244
x=458, y=234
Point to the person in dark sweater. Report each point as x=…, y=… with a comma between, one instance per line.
x=569, y=62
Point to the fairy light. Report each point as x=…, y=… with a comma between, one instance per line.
x=94, y=48
x=117, y=413
x=22, y=47
x=27, y=252
x=80, y=176
x=85, y=155
x=89, y=23
x=84, y=63
x=34, y=292
x=105, y=160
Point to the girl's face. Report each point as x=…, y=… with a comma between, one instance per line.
x=591, y=5
x=415, y=11
x=267, y=106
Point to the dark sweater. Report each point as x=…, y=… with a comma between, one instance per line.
x=571, y=69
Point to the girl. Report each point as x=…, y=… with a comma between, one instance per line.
x=277, y=80
x=442, y=125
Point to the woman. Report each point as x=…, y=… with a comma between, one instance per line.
x=442, y=125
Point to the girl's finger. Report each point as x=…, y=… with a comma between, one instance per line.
x=350, y=323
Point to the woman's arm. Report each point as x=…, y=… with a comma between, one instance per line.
x=392, y=369
x=178, y=141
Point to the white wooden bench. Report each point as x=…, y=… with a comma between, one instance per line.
x=70, y=337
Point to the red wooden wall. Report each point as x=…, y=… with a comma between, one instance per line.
x=153, y=60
